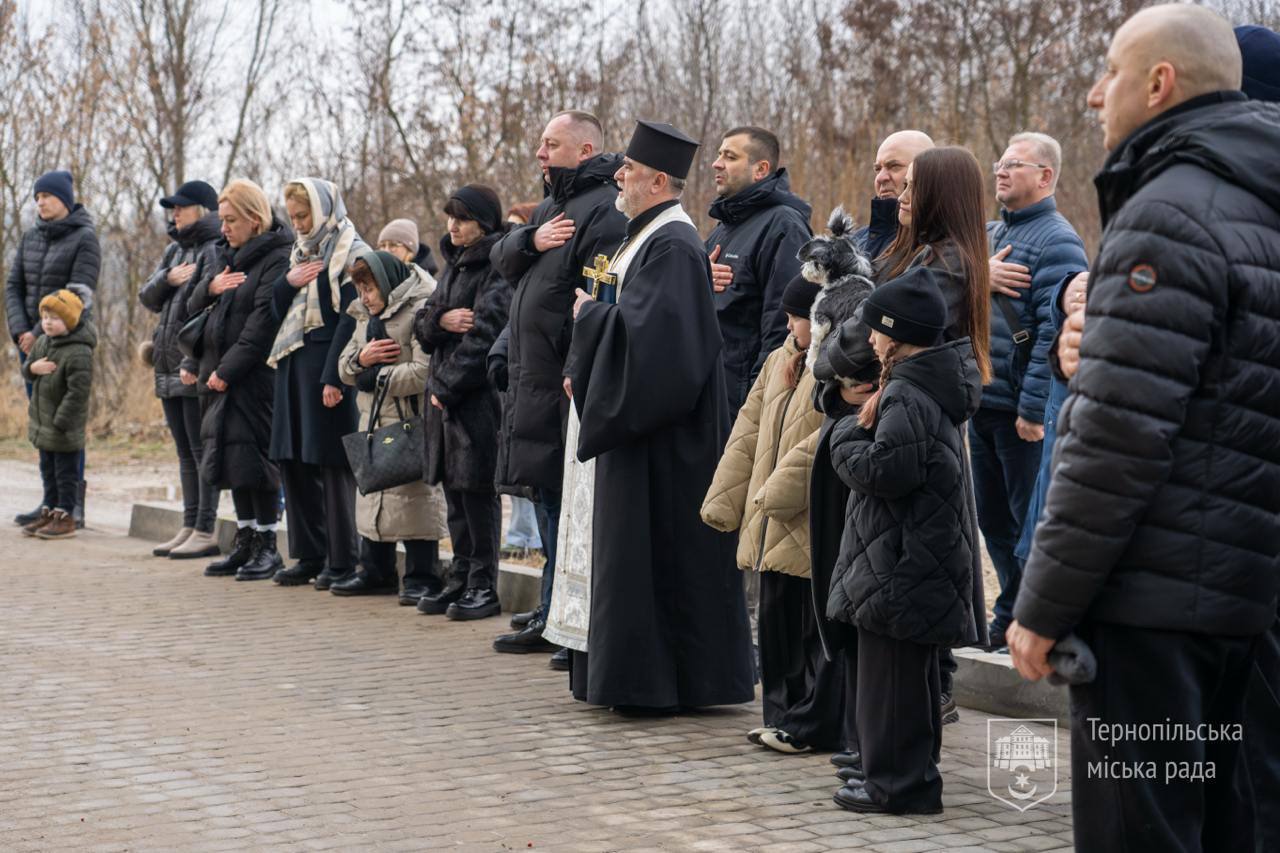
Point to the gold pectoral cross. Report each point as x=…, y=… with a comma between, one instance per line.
x=599, y=274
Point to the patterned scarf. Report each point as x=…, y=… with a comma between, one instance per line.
x=332, y=240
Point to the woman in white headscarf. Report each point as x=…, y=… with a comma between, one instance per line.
x=314, y=409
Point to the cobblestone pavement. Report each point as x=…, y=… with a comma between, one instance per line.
x=145, y=707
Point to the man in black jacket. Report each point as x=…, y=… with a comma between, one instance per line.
x=60, y=251
x=892, y=159
x=575, y=228
x=1161, y=533
x=753, y=252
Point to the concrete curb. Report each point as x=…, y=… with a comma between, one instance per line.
x=988, y=682
x=519, y=587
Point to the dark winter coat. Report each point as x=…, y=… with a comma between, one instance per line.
x=235, y=428
x=303, y=429
x=424, y=259
x=51, y=256
x=59, y=407
x=1043, y=241
x=876, y=235
x=904, y=569
x=193, y=245
x=533, y=420
x=761, y=230
x=1164, y=510
x=462, y=441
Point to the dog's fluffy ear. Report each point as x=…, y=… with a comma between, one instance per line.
x=840, y=223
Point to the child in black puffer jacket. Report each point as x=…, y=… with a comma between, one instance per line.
x=903, y=574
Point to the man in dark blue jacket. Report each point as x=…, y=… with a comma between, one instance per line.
x=1160, y=542
x=753, y=252
x=1005, y=435
x=892, y=159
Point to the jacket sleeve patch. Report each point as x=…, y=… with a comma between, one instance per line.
x=1142, y=278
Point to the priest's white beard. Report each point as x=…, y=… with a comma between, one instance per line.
x=621, y=204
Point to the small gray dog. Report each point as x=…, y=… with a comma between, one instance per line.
x=836, y=263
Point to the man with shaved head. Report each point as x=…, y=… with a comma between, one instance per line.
x=572, y=233
x=892, y=159
x=1160, y=541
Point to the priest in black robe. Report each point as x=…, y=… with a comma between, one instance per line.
x=668, y=621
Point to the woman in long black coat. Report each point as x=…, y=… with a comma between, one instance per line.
x=314, y=409
x=235, y=383
x=457, y=327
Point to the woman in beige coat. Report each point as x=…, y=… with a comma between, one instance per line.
x=383, y=350
x=761, y=488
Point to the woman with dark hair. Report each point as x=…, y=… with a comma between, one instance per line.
x=383, y=359
x=457, y=326
x=942, y=211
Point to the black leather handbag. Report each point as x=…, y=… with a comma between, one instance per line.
x=383, y=457
x=191, y=335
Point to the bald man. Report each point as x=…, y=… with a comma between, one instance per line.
x=892, y=159
x=1160, y=541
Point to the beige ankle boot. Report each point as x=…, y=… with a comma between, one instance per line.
x=198, y=544
x=163, y=549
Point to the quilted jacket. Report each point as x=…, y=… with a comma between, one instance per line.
x=761, y=486
x=905, y=564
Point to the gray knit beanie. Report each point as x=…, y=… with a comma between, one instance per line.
x=402, y=231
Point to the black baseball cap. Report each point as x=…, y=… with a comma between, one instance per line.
x=192, y=192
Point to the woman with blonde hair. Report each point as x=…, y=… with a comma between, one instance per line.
x=314, y=409
x=235, y=384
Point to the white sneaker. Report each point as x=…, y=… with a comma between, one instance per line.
x=755, y=735
x=779, y=740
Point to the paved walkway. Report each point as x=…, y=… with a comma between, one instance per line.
x=145, y=707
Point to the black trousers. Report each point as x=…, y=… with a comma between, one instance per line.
x=804, y=694
x=475, y=522
x=1262, y=738
x=1160, y=677
x=199, y=499
x=260, y=505
x=900, y=722
x=420, y=561
x=60, y=475
x=321, y=503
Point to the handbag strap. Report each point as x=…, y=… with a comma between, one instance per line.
x=1021, y=337
x=375, y=410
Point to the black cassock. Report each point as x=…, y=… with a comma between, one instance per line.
x=668, y=617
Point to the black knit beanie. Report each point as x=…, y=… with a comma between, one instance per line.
x=798, y=296
x=482, y=203
x=910, y=308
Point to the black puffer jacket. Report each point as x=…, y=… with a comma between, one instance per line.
x=51, y=256
x=192, y=245
x=905, y=560
x=533, y=419
x=1164, y=509
x=236, y=425
x=761, y=229
x=462, y=441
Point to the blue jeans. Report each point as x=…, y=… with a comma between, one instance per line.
x=522, y=531
x=547, y=509
x=1004, y=478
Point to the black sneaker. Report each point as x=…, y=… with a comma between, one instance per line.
x=949, y=712
x=478, y=603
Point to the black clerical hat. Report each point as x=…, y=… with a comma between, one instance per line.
x=660, y=146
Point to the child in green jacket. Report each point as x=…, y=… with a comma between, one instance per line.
x=60, y=370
